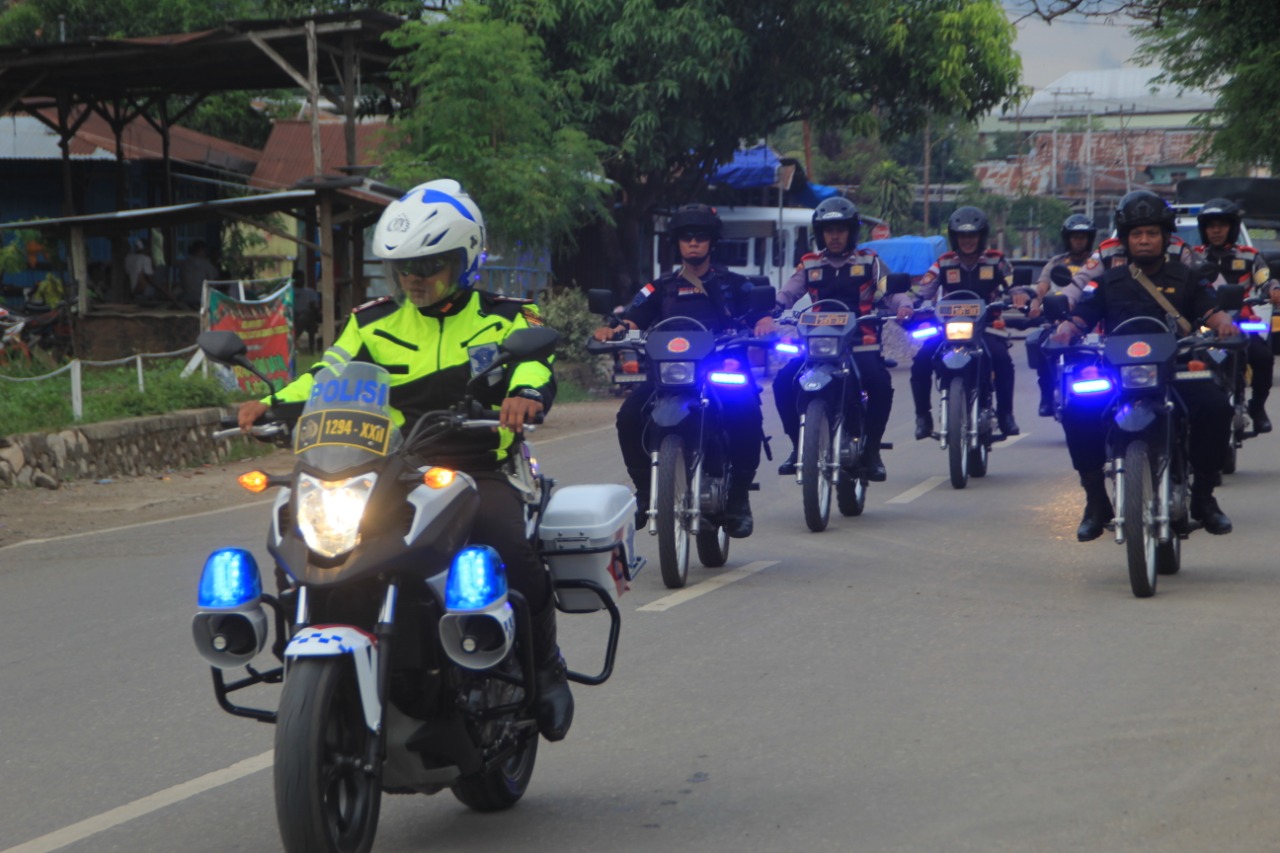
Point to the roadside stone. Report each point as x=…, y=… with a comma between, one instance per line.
x=44, y=481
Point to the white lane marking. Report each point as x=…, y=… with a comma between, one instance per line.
x=916, y=491
x=1013, y=439
x=670, y=601
x=131, y=527
x=77, y=832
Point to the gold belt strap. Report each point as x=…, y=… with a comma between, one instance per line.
x=1184, y=326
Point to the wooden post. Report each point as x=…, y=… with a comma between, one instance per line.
x=80, y=267
x=328, y=312
x=313, y=87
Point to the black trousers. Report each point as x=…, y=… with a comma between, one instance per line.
x=1208, y=413
x=743, y=420
x=876, y=382
x=500, y=525
x=1001, y=366
x=1262, y=365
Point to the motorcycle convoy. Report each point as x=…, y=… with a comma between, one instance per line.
x=406, y=661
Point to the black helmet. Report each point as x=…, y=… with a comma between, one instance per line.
x=968, y=220
x=694, y=217
x=1142, y=207
x=836, y=210
x=1078, y=223
x=1220, y=208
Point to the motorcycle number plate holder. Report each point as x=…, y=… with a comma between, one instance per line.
x=344, y=427
x=820, y=318
x=959, y=309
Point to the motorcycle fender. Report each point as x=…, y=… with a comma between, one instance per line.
x=671, y=410
x=332, y=640
x=1137, y=416
x=956, y=359
x=817, y=377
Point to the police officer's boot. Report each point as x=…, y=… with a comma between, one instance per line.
x=1006, y=423
x=554, y=706
x=1258, y=412
x=924, y=414
x=1046, y=395
x=788, y=466
x=1204, y=506
x=641, y=479
x=738, y=522
x=871, y=461
x=1097, y=506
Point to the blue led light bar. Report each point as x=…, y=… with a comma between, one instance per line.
x=1253, y=325
x=1091, y=386
x=924, y=332
x=721, y=377
x=789, y=349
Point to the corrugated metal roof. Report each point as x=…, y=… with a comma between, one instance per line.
x=287, y=158
x=1128, y=90
x=199, y=211
x=25, y=138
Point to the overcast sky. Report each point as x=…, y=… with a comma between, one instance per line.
x=1070, y=44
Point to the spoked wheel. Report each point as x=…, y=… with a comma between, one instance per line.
x=675, y=508
x=1169, y=556
x=958, y=432
x=816, y=470
x=713, y=544
x=326, y=800
x=1139, y=520
x=851, y=493
x=979, y=457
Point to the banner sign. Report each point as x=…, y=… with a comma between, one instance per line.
x=265, y=325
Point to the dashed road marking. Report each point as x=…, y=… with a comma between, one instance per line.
x=680, y=597
x=916, y=491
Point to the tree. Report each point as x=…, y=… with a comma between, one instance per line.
x=671, y=89
x=488, y=113
x=1222, y=47
x=888, y=191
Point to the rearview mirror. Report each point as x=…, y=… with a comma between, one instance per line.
x=897, y=282
x=224, y=348
x=1231, y=297
x=761, y=300
x=600, y=301
x=1057, y=307
x=1060, y=275
x=536, y=343
x=1022, y=277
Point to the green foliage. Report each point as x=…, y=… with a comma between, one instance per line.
x=37, y=21
x=888, y=191
x=109, y=394
x=489, y=114
x=567, y=313
x=1044, y=214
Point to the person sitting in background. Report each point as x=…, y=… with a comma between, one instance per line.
x=193, y=271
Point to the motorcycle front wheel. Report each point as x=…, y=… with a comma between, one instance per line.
x=326, y=800
x=851, y=493
x=1140, y=540
x=675, y=512
x=958, y=432
x=816, y=470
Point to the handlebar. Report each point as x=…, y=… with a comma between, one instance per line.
x=264, y=432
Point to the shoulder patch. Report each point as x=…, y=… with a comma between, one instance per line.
x=506, y=307
x=374, y=309
x=531, y=315
x=1248, y=250
x=810, y=256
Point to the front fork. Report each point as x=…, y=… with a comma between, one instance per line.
x=837, y=439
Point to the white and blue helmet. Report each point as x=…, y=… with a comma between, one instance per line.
x=432, y=221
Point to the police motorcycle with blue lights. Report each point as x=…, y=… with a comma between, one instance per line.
x=1078, y=236
x=965, y=340
x=834, y=395
x=691, y=431
x=414, y=618
x=1149, y=400
x=1219, y=221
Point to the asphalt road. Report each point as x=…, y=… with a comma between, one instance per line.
x=951, y=671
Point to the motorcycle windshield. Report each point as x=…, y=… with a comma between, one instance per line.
x=347, y=419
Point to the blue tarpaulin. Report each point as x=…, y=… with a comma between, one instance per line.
x=811, y=195
x=911, y=255
x=754, y=167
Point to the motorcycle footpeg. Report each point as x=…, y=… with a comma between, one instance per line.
x=886, y=445
x=754, y=487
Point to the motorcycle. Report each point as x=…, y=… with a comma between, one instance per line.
x=406, y=660
x=962, y=366
x=831, y=449
x=1254, y=320
x=13, y=349
x=1130, y=378
x=690, y=469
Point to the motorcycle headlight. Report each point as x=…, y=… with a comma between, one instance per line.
x=677, y=372
x=329, y=512
x=824, y=347
x=959, y=330
x=1139, y=375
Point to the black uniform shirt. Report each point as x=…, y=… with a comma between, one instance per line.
x=1118, y=296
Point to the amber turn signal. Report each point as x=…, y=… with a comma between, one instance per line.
x=1196, y=364
x=438, y=478
x=254, y=481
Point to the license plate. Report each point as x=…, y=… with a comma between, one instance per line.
x=822, y=318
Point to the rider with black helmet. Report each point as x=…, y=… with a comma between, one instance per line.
x=970, y=265
x=1078, y=234
x=718, y=299
x=856, y=277
x=1219, y=221
x=1144, y=224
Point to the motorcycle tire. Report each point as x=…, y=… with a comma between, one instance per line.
x=1139, y=520
x=816, y=468
x=1169, y=556
x=958, y=432
x=713, y=545
x=324, y=800
x=675, y=505
x=851, y=494
x=501, y=786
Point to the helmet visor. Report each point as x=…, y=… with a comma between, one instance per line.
x=423, y=267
